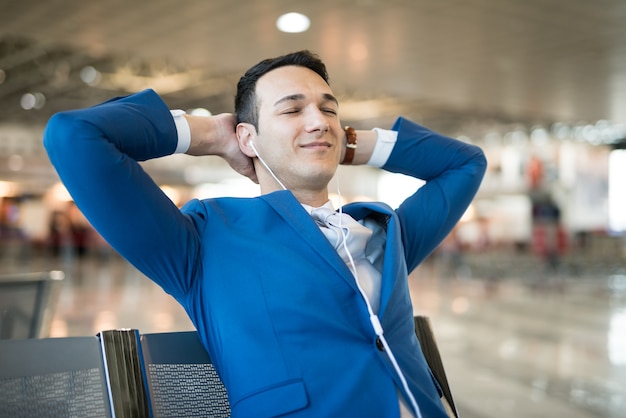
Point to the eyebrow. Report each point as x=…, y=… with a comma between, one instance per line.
x=297, y=97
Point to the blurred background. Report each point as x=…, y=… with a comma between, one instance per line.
x=527, y=296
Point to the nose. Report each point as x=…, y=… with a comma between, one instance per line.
x=316, y=121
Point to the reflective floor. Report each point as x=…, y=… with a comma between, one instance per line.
x=519, y=345
x=546, y=347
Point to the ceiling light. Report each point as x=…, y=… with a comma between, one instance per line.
x=31, y=101
x=293, y=23
x=90, y=75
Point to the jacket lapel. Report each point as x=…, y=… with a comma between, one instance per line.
x=288, y=207
x=394, y=266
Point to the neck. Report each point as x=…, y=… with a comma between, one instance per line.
x=309, y=194
x=314, y=199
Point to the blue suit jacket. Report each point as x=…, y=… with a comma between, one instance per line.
x=274, y=304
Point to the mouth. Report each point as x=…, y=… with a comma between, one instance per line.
x=316, y=145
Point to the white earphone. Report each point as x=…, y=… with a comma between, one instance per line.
x=251, y=143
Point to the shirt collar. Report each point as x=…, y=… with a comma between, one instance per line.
x=327, y=205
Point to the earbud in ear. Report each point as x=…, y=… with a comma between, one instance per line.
x=251, y=144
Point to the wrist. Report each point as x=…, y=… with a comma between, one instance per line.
x=351, y=145
x=202, y=130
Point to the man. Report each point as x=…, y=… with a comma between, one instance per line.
x=295, y=326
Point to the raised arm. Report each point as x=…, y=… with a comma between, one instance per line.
x=96, y=152
x=453, y=171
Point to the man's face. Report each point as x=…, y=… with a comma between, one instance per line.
x=299, y=135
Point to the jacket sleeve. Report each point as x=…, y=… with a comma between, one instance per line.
x=452, y=170
x=96, y=152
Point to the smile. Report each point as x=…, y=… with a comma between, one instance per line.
x=317, y=144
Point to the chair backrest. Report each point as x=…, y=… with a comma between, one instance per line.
x=26, y=304
x=182, y=380
x=55, y=377
x=426, y=337
x=67, y=377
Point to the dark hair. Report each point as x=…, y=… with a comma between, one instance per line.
x=246, y=107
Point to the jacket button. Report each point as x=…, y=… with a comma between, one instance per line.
x=379, y=344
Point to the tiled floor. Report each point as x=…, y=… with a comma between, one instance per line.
x=554, y=347
x=550, y=346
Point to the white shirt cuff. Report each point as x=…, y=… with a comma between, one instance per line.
x=182, y=128
x=384, y=145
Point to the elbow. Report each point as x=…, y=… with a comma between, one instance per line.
x=54, y=132
x=479, y=161
x=61, y=129
x=475, y=168
x=483, y=162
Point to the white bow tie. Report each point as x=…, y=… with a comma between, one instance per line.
x=335, y=227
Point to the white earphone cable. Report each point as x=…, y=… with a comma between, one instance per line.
x=267, y=167
x=374, y=320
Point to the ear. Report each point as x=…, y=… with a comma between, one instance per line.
x=246, y=132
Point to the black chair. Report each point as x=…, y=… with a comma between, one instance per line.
x=181, y=377
x=156, y=375
x=68, y=376
x=26, y=304
x=426, y=337
x=182, y=380
x=52, y=377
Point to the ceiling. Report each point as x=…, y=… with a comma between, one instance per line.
x=459, y=66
